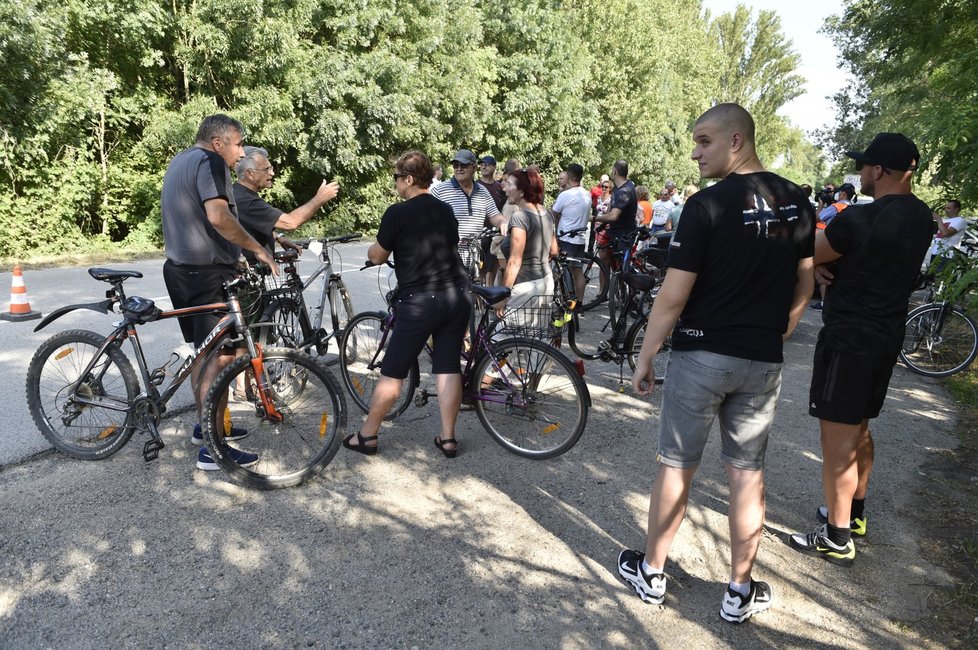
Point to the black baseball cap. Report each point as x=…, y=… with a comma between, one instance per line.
x=890, y=150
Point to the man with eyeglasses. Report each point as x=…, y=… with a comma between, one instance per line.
x=878, y=249
x=473, y=205
x=255, y=173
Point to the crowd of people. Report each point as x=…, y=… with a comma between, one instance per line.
x=743, y=263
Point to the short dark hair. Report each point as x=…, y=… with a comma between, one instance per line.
x=957, y=204
x=575, y=172
x=621, y=168
x=217, y=126
x=806, y=189
x=530, y=183
x=417, y=165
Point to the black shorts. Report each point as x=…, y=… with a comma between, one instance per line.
x=848, y=388
x=442, y=315
x=190, y=286
x=573, y=250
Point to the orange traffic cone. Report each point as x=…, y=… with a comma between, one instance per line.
x=20, y=307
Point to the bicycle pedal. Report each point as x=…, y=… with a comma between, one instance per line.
x=151, y=450
x=421, y=398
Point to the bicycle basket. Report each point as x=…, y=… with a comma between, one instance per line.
x=539, y=317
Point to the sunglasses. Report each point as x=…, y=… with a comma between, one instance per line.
x=458, y=165
x=399, y=175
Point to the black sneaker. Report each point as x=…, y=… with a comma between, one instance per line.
x=816, y=306
x=857, y=524
x=650, y=588
x=818, y=543
x=736, y=608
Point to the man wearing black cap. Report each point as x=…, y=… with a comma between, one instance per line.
x=472, y=203
x=878, y=249
x=487, y=178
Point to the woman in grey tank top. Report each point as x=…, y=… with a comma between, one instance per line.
x=532, y=242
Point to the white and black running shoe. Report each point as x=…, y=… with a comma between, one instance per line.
x=737, y=608
x=650, y=588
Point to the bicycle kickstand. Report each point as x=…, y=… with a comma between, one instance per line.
x=151, y=450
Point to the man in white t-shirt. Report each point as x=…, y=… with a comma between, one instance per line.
x=661, y=212
x=950, y=232
x=571, y=211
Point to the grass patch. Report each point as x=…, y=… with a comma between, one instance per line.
x=80, y=259
x=948, y=520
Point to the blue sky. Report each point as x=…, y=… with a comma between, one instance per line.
x=800, y=22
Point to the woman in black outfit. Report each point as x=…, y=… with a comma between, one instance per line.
x=433, y=300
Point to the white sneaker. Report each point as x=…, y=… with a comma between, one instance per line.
x=650, y=588
x=737, y=609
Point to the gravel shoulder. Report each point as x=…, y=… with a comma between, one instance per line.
x=409, y=549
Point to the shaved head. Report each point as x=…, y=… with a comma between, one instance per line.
x=731, y=118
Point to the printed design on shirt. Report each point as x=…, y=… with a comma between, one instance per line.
x=762, y=221
x=688, y=331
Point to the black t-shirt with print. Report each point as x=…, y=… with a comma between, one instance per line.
x=882, y=245
x=422, y=233
x=624, y=198
x=746, y=261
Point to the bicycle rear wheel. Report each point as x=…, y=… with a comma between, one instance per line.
x=940, y=340
x=56, y=376
x=531, y=399
x=291, y=451
x=361, y=356
x=284, y=330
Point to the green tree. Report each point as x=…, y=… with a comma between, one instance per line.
x=918, y=76
x=757, y=71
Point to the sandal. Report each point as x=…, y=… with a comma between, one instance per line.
x=360, y=448
x=449, y=453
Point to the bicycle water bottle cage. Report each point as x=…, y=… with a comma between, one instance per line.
x=140, y=310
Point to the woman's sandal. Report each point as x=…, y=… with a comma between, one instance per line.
x=360, y=448
x=449, y=453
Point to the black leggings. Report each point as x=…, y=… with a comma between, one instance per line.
x=443, y=315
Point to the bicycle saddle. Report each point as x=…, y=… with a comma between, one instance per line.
x=638, y=281
x=491, y=295
x=111, y=275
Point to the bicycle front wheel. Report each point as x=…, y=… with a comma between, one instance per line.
x=340, y=307
x=633, y=345
x=361, y=355
x=940, y=340
x=531, y=399
x=276, y=454
x=84, y=415
x=595, y=281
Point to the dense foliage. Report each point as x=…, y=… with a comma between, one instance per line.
x=97, y=95
x=913, y=68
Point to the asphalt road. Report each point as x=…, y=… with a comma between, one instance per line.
x=408, y=549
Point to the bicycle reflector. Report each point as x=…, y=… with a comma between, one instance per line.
x=323, y=424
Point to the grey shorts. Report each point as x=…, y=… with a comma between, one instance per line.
x=701, y=386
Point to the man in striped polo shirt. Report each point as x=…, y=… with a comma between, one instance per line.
x=472, y=203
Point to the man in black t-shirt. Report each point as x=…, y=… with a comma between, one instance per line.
x=620, y=217
x=877, y=250
x=255, y=173
x=740, y=274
